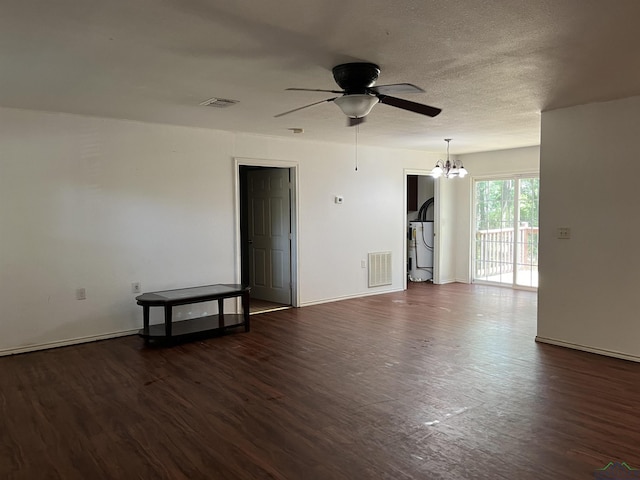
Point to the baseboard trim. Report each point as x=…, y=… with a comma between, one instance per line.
x=65, y=343
x=584, y=348
x=349, y=297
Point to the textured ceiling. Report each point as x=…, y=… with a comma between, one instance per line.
x=492, y=66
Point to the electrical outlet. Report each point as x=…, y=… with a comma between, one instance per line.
x=363, y=264
x=135, y=287
x=564, y=233
x=81, y=294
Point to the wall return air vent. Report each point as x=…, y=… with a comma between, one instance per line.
x=379, y=269
x=219, y=102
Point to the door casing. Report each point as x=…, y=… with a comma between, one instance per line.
x=293, y=169
x=436, y=226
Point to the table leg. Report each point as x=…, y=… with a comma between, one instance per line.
x=167, y=320
x=245, y=310
x=221, y=313
x=145, y=323
x=145, y=319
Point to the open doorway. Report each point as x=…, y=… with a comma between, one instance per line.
x=421, y=246
x=267, y=235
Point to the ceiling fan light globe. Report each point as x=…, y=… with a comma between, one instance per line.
x=356, y=105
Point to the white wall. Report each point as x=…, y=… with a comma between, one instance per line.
x=589, y=174
x=446, y=227
x=486, y=164
x=100, y=203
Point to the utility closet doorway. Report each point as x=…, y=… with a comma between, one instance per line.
x=267, y=235
x=421, y=229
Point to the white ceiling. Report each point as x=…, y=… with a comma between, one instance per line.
x=491, y=65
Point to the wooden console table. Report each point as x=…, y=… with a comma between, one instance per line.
x=170, y=331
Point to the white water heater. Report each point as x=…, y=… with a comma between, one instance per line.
x=420, y=248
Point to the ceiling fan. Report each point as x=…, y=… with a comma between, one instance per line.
x=359, y=95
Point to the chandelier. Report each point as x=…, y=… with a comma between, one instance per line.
x=449, y=169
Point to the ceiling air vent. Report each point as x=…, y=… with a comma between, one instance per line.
x=219, y=102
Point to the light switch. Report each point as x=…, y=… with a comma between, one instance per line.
x=339, y=199
x=564, y=233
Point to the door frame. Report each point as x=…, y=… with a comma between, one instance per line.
x=436, y=224
x=294, y=170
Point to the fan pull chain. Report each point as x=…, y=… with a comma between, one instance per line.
x=357, y=127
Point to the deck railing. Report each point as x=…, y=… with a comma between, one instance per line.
x=495, y=250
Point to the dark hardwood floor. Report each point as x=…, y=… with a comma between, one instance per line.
x=439, y=382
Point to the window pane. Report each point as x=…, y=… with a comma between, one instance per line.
x=527, y=264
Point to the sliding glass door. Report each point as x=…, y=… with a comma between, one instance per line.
x=506, y=231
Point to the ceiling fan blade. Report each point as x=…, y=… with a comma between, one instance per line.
x=408, y=105
x=306, y=106
x=314, y=90
x=396, y=88
x=352, y=122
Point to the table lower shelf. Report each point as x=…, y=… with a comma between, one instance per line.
x=201, y=326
